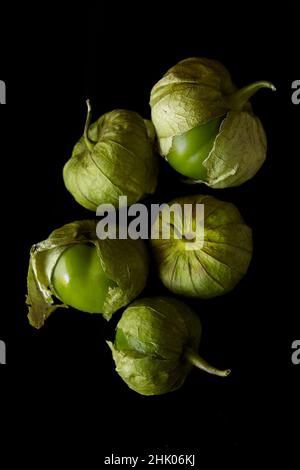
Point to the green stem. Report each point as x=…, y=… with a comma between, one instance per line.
x=238, y=99
x=191, y=356
x=88, y=142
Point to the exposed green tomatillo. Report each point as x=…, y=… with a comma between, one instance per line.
x=114, y=158
x=79, y=280
x=74, y=268
x=206, y=128
x=211, y=262
x=156, y=345
x=189, y=150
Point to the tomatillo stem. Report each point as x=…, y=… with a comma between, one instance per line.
x=88, y=142
x=239, y=98
x=191, y=356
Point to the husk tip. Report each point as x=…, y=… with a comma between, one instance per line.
x=88, y=104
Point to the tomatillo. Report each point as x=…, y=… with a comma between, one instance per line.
x=205, y=126
x=79, y=280
x=156, y=345
x=73, y=267
x=201, y=254
x=114, y=157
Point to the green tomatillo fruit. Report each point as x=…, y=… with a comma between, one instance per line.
x=156, y=345
x=113, y=158
x=205, y=126
x=79, y=280
x=75, y=268
x=205, y=253
x=189, y=150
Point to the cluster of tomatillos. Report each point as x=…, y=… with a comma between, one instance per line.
x=206, y=130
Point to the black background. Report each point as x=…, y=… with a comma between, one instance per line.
x=62, y=377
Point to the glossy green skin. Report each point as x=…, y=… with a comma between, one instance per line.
x=79, y=280
x=190, y=149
